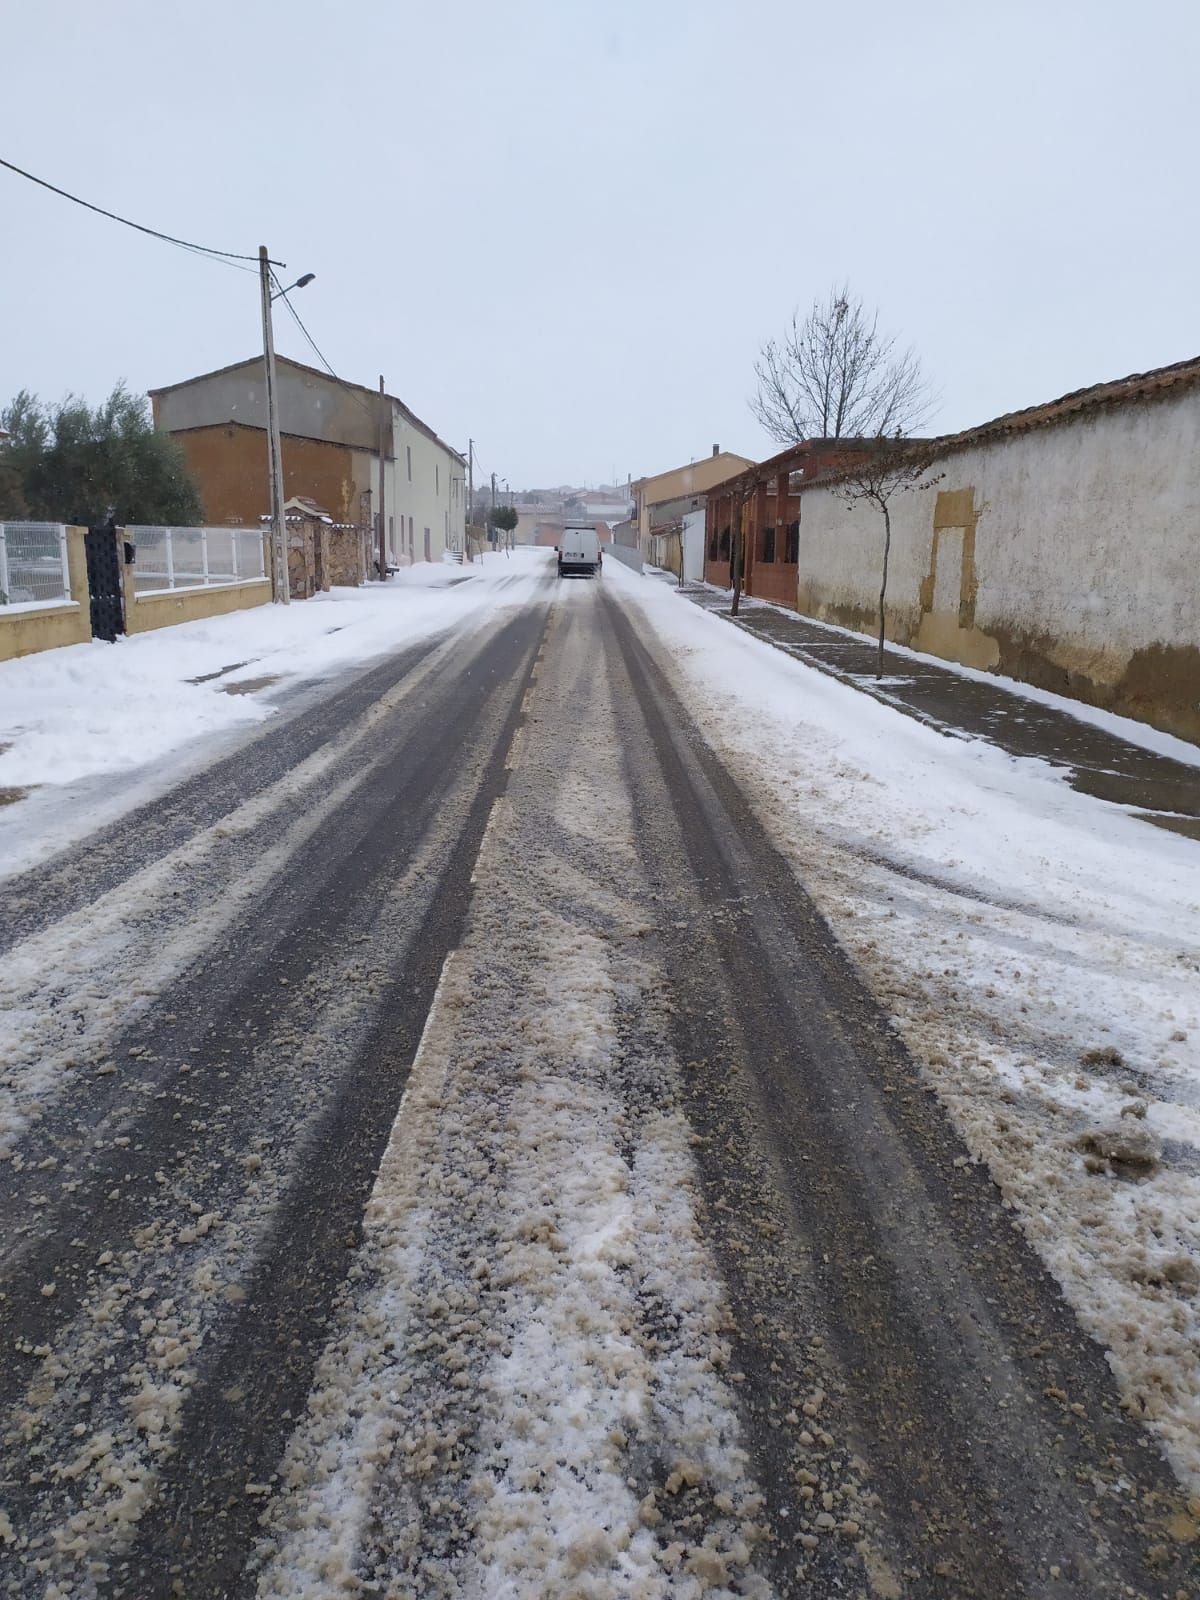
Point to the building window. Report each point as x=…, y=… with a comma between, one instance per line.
x=437, y=477
x=768, y=544
x=410, y=538
x=793, y=542
x=408, y=449
x=725, y=542
x=712, y=546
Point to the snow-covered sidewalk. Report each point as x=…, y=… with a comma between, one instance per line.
x=138, y=710
x=1039, y=951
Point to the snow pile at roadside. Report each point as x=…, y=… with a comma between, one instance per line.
x=1040, y=953
x=523, y=1393
x=94, y=708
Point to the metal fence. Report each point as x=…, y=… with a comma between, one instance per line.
x=33, y=564
x=195, y=558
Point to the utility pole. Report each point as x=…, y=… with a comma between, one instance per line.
x=493, y=524
x=470, y=494
x=383, y=566
x=280, y=585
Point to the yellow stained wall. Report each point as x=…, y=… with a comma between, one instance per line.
x=143, y=612
x=696, y=478
x=22, y=633
x=25, y=632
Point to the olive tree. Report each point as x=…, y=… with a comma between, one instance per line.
x=72, y=462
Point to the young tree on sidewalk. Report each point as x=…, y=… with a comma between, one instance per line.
x=504, y=519
x=874, y=477
x=836, y=376
x=736, y=551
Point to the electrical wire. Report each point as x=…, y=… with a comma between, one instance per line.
x=184, y=244
x=354, y=390
x=351, y=389
x=282, y=294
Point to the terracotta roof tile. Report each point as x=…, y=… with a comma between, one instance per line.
x=1138, y=386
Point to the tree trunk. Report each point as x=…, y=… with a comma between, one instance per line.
x=737, y=557
x=887, y=550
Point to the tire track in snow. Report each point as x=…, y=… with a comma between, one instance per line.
x=524, y=1394
x=959, y=1370
x=267, y=1080
x=66, y=991
x=36, y=898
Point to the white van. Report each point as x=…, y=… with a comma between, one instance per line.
x=579, y=553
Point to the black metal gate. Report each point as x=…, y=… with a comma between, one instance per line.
x=104, y=583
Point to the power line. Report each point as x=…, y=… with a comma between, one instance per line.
x=316, y=349
x=184, y=244
x=479, y=466
x=349, y=387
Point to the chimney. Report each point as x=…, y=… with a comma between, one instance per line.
x=716, y=449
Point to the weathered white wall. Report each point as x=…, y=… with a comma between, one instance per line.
x=693, y=547
x=310, y=405
x=1065, y=555
x=433, y=496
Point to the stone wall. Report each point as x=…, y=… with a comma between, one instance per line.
x=349, y=556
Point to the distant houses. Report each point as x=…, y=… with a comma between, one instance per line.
x=331, y=433
x=603, y=506
x=663, y=501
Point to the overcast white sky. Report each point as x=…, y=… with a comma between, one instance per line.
x=565, y=226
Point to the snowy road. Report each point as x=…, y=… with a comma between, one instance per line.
x=448, y=1154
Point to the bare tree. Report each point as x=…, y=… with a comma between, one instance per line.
x=895, y=465
x=835, y=375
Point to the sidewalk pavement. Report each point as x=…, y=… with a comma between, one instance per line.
x=1159, y=788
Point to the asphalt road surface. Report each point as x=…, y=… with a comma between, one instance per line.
x=668, y=1278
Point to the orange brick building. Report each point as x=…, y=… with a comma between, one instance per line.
x=766, y=498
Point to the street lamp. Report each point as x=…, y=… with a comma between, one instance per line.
x=300, y=283
x=280, y=587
